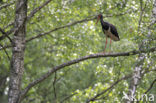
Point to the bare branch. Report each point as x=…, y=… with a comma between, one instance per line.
x=150, y=87
x=115, y=83
x=141, y=13
x=6, y=5
x=10, y=24
x=68, y=97
x=61, y=27
x=54, y=88
x=37, y=9
x=99, y=55
x=28, y=18
x=5, y=51
x=72, y=24
x=5, y=34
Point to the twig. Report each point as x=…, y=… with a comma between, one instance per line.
x=115, y=83
x=104, y=96
x=61, y=27
x=68, y=97
x=10, y=24
x=54, y=88
x=28, y=18
x=37, y=9
x=5, y=34
x=6, y=5
x=141, y=13
x=150, y=87
x=99, y=55
x=5, y=51
x=65, y=26
x=71, y=24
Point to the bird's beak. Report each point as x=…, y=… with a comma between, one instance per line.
x=97, y=19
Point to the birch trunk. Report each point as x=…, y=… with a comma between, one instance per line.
x=17, y=62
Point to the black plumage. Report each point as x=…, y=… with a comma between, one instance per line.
x=109, y=29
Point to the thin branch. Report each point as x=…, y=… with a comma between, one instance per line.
x=65, y=26
x=68, y=97
x=99, y=55
x=6, y=5
x=141, y=14
x=54, y=88
x=10, y=24
x=61, y=27
x=37, y=9
x=104, y=96
x=28, y=18
x=5, y=34
x=150, y=87
x=5, y=47
x=72, y=24
x=5, y=51
x=115, y=83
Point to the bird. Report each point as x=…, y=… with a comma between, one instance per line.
x=109, y=30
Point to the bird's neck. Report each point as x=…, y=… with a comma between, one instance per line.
x=104, y=24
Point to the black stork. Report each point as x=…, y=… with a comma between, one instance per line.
x=109, y=30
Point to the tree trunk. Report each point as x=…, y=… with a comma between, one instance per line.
x=137, y=71
x=17, y=62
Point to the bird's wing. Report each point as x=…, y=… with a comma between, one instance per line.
x=113, y=30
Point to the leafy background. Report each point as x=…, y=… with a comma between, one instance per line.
x=86, y=79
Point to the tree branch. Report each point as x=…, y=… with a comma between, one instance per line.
x=68, y=97
x=5, y=51
x=115, y=83
x=61, y=27
x=5, y=34
x=150, y=87
x=99, y=55
x=37, y=9
x=65, y=26
x=28, y=18
x=72, y=24
x=6, y=5
x=141, y=14
x=54, y=86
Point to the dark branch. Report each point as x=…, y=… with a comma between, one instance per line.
x=68, y=97
x=61, y=27
x=28, y=18
x=141, y=13
x=150, y=87
x=115, y=83
x=37, y=9
x=99, y=55
x=5, y=34
x=72, y=24
x=5, y=51
x=54, y=86
x=65, y=26
x=6, y=5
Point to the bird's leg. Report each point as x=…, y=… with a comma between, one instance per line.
x=110, y=45
x=105, y=44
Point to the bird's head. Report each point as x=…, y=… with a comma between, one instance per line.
x=98, y=17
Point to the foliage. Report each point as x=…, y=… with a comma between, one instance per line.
x=90, y=77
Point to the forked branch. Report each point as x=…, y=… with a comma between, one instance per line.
x=99, y=55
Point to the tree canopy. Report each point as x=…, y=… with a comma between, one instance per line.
x=61, y=47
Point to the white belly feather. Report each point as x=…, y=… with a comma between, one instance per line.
x=110, y=35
